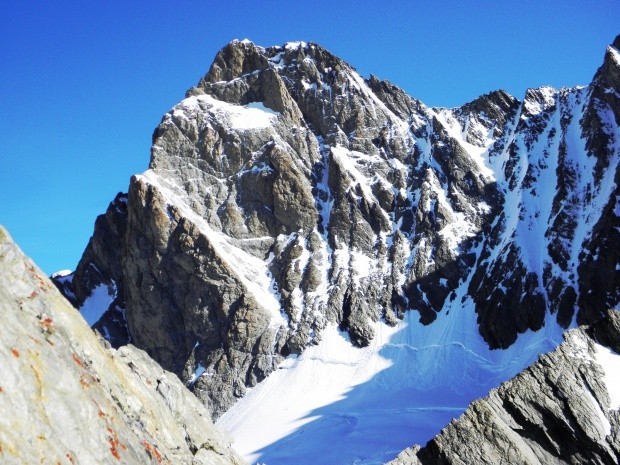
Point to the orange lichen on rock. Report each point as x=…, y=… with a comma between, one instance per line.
x=79, y=361
x=114, y=444
x=152, y=451
x=15, y=352
x=85, y=384
x=47, y=324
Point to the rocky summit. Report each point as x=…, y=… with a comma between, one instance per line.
x=66, y=397
x=290, y=205
x=286, y=193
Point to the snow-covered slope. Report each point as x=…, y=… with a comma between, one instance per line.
x=562, y=410
x=289, y=204
x=339, y=404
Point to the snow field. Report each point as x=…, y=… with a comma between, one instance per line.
x=369, y=404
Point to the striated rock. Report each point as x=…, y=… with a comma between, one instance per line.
x=285, y=193
x=564, y=409
x=66, y=397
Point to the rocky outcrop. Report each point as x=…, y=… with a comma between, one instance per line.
x=564, y=409
x=67, y=397
x=286, y=192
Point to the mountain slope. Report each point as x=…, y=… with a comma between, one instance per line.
x=564, y=409
x=287, y=197
x=403, y=388
x=286, y=192
x=66, y=399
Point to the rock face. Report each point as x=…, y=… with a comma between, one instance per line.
x=564, y=409
x=286, y=192
x=66, y=398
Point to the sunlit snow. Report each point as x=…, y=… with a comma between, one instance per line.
x=402, y=389
x=610, y=362
x=252, y=116
x=61, y=274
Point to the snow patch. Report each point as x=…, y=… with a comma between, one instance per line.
x=615, y=54
x=252, y=116
x=295, y=45
x=361, y=265
x=98, y=302
x=599, y=413
x=198, y=372
x=261, y=106
x=61, y=274
x=610, y=363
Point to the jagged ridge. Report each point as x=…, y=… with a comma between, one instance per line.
x=286, y=192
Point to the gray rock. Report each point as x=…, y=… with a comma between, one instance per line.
x=66, y=398
x=286, y=193
x=556, y=411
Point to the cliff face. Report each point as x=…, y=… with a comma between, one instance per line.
x=66, y=398
x=564, y=409
x=285, y=193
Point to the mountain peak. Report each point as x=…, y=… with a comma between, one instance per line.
x=608, y=75
x=235, y=59
x=288, y=199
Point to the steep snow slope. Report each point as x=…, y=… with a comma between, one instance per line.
x=366, y=405
x=561, y=410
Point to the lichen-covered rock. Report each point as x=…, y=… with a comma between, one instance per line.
x=564, y=409
x=66, y=398
x=285, y=192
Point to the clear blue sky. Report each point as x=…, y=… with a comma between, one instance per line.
x=83, y=84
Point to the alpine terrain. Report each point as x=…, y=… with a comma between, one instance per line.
x=323, y=259
x=67, y=399
x=562, y=409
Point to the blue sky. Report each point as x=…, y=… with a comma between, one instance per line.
x=83, y=84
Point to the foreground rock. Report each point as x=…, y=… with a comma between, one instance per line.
x=66, y=399
x=285, y=193
x=565, y=409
